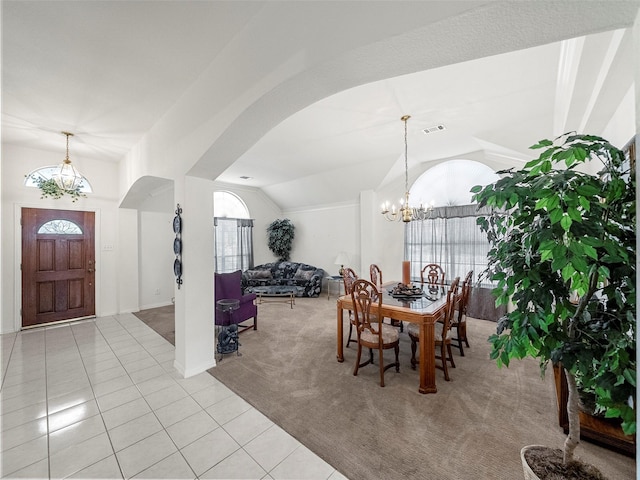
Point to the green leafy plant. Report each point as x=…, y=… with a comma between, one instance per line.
x=281, y=234
x=49, y=188
x=563, y=252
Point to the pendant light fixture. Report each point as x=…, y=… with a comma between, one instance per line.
x=66, y=176
x=406, y=213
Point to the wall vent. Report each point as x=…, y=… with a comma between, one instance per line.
x=435, y=128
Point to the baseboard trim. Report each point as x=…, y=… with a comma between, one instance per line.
x=156, y=305
x=195, y=370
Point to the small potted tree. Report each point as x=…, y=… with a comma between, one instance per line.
x=563, y=254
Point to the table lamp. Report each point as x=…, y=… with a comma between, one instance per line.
x=341, y=260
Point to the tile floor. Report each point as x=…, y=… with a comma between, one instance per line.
x=101, y=399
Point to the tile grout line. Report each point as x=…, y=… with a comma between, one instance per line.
x=84, y=366
x=147, y=402
x=241, y=447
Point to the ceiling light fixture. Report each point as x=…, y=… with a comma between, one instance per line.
x=406, y=212
x=66, y=176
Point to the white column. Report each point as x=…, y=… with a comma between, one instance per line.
x=195, y=342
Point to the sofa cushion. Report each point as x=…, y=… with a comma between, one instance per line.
x=258, y=274
x=304, y=275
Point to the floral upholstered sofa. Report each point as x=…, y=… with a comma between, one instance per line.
x=306, y=279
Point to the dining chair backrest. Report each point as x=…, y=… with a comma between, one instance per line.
x=348, y=277
x=432, y=274
x=454, y=296
x=376, y=274
x=367, y=302
x=466, y=292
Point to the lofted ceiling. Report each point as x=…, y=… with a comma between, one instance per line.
x=109, y=71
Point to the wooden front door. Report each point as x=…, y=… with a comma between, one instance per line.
x=58, y=265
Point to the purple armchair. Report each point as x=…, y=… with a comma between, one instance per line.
x=229, y=285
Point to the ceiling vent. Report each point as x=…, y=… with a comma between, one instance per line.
x=244, y=177
x=435, y=128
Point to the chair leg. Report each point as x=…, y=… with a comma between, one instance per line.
x=450, y=355
x=443, y=357
x=464, y=334
x=381, y=359
x=459, y=339
x=413, y=353
x=355, y=369
x=397, y=349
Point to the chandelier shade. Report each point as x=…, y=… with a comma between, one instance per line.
x=66, y=176
x=406, y=212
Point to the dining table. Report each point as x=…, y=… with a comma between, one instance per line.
x=424, y=309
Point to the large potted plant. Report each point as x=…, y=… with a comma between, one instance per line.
x=281, y=234
x=563, y=254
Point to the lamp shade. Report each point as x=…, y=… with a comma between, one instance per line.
x=342, y=259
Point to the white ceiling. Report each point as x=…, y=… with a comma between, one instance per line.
x=108, y=71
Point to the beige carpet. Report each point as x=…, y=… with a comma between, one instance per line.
x=473, y=428
x=162, y=320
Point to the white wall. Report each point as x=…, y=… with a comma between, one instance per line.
x=321, y=233
x=156, y=259
x=18, y=162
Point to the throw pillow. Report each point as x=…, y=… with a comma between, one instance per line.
x=303, y=275
x=258, y=274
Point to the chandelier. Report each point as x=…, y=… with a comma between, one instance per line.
x=66, y=175
x=406, y=213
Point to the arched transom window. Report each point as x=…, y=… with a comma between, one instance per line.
x=46, y=173
x=60, y=227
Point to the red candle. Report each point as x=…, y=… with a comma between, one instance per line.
x=406, y=272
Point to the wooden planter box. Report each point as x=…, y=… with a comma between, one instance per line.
x=606, y=432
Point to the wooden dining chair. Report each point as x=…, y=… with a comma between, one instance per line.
x=376, y=278
x=371, y=332
x=459, y=321
x=376, y=274
x=432, y=274
x=348, y=278
x=443, y=332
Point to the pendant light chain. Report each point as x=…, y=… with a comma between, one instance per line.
x=406, y=164
x=406, y=213
x=68, y=134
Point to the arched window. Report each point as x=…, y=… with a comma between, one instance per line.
x=46, y=173
x=233, y=233
x=60, y=227
x=229, y=205
x=449, y=183
x=450, y=237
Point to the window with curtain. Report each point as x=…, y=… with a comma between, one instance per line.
x=233, y=233
x=233, y=244
x=450, y=237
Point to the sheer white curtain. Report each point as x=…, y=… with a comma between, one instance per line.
x=450, y=238
x=233, y=244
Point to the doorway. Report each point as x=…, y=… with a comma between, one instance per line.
x=58, y=265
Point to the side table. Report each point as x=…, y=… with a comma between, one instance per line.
x=228, y=334
x=331, y=280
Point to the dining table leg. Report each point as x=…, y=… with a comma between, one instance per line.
x=427, y=358
x=339, y=316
